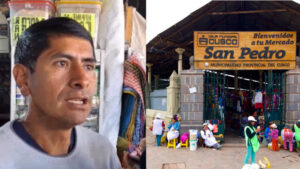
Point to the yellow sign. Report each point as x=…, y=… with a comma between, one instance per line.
x=245, y=50
x=87, y=20
x=20, y=24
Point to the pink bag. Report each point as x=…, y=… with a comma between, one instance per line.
x=184, y=137
x=215, y=128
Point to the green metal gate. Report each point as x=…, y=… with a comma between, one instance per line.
x=214, y=96
x=275, y=98
x=214, y=100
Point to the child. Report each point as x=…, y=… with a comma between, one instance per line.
x=274, y=134
x=287, y=135
x=261, y=124
x=158, y=128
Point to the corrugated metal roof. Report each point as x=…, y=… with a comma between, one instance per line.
x=220, y=16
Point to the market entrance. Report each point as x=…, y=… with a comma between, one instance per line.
x=231, y=96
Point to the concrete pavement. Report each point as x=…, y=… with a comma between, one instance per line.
x=231, y=156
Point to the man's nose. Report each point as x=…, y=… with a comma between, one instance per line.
x=79, y=77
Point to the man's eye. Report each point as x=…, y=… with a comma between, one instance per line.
x=61, y=63
x=90, y=67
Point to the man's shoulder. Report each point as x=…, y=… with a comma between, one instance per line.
x=7, y=143
x=93, y=143
x=92, y=137
x=5, y=129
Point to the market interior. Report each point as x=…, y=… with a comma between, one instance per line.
x=231, y=96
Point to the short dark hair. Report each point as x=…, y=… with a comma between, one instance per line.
x=35, y=39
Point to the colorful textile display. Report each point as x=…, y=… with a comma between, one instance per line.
x=133, y=101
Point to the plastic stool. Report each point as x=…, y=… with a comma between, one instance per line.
x=186, y=143
x=172, y=143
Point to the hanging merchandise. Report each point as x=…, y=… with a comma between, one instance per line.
x=241, y=96
x=276, y=99
x=23, y=14
x=238, y=107
x=275, y=102
x=246, y=103
x=258, y=100
x=215, y=99
x=133, y=107
x=253, y=97
x=221, y=108
x=86, y=13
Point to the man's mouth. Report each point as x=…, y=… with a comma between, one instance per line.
x=78, y=101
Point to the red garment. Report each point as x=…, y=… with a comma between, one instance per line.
x=275, y=146
x=258, y=105
x=246, y=102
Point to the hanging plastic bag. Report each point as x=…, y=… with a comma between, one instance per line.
x=215, y=128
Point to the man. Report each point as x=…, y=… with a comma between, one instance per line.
x=208, y=137
x=55, y=63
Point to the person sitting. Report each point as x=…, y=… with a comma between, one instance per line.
x=266, y=134
x=208, y=137
x=173, y=127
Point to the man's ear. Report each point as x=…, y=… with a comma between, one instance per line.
x=21, y=75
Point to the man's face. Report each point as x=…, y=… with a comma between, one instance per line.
x=63, y=82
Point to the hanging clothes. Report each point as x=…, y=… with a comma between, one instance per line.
x=238, y=107
x=258, y=100
x=276, y=99
x=246, y=103
x=241, y=96
x=221, y=108
x=128, y=110
x=134, y=112
x=253, y=98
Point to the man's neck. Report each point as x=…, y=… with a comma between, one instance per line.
x=52, y=139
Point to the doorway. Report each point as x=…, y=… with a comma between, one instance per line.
x=231, y=96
